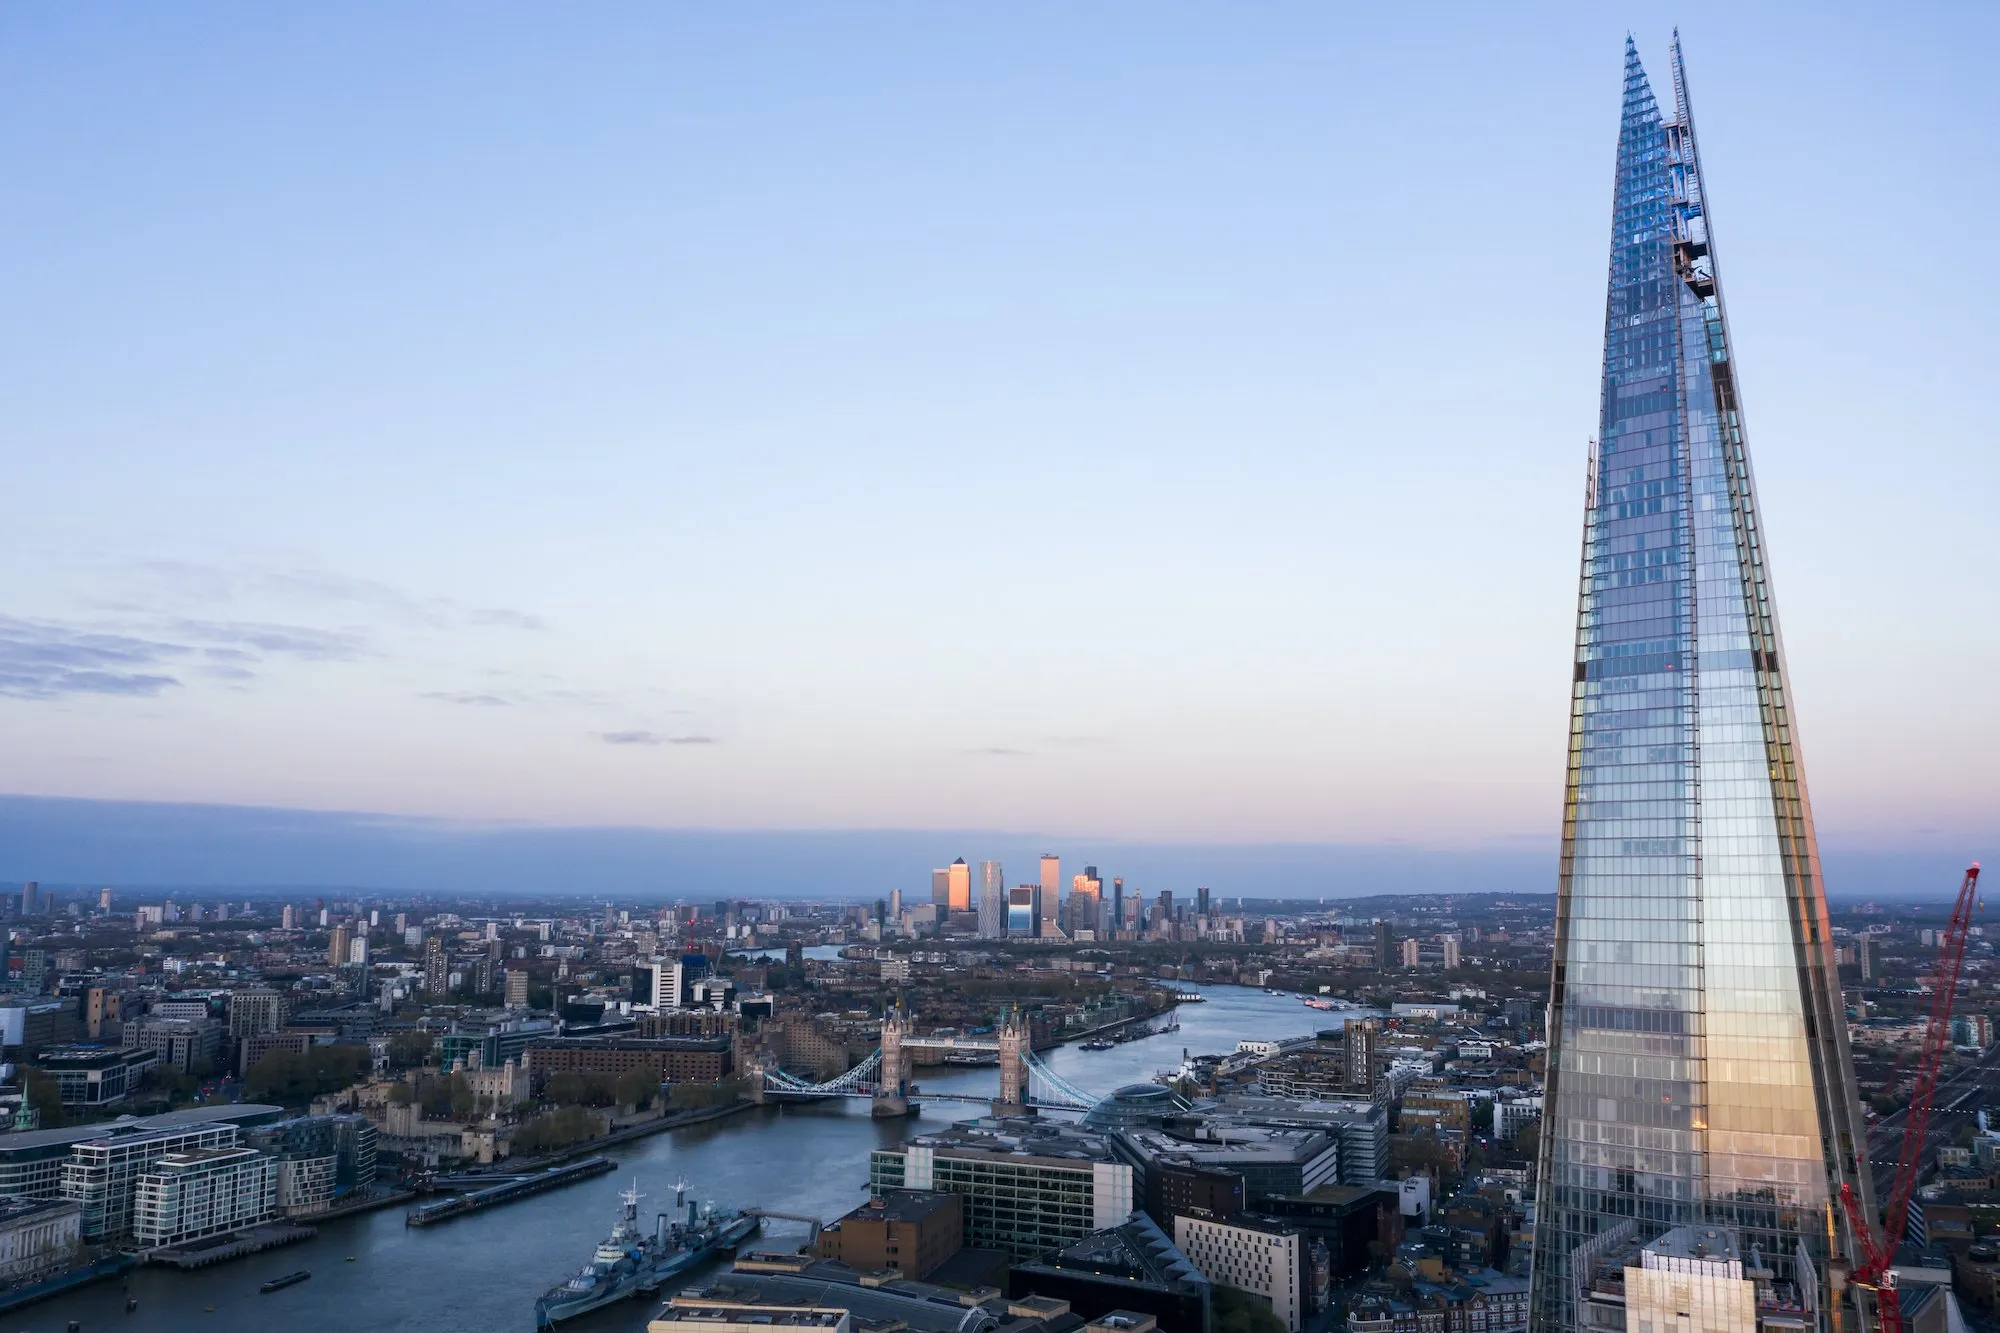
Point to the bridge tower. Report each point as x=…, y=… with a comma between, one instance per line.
x=757, y=1067
x=892, y=1084
x=1014, y=1048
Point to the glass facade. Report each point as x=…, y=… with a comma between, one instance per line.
x=1698, y=1067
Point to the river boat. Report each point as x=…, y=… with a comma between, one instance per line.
x=629, y=1262
x=1099, y=1044
x=288, y=1280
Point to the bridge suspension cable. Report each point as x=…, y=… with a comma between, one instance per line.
x=1048, y=1088
x=860, y=1078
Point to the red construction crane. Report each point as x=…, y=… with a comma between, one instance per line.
x=1875, y=1272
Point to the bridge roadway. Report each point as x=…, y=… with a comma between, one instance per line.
x=868, y=1093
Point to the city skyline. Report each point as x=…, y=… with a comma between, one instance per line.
x=1699, y=1076
x=379, y=448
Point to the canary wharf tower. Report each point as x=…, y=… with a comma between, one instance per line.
x=1700, y=1103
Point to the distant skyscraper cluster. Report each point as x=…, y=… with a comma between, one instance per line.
x=1086, y=909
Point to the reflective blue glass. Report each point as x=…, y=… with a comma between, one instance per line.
x=1698, y=1065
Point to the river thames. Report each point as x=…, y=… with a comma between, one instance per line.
x=482, y=1273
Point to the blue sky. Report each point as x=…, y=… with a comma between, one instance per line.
x=1143, y=422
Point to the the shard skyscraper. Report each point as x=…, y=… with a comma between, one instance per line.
x=1700, y=1096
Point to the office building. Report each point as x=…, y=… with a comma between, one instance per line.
x=1118, y=921
x=187, y=1195
x=1086, y=896
x=653, y=985
x=1268, y=1159
x=1698, y=1071
x=1359, y=1124
x=992, y=901
x=253, y=1011
x=958, y=886
x=189, y=1045
x=941, y=890
x=31, y=898
x=1024, y=911
x=1201, y=901
x=1253, y=1254
x=90, y=1076
x=1051, y=891
x=257, y=1045
x=1029, y=1186
x=909, y=1231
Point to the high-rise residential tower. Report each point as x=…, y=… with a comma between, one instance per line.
x=992, y=901
x=1700, y=1089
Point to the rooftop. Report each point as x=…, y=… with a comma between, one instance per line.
x=904, y=1205
x=1021, y=1137
x=775, y=1315
x=1137, y=1252
x=827, y=1286
x=192, y=1117
x=1235, y=1145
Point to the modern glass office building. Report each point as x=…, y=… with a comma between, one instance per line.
x=1698, y=1072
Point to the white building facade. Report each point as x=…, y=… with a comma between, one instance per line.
x=190, y=1195
x=1268, y=1262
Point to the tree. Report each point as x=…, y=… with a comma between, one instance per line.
x=1528, y=1140
x=45, y=1095
x=579, y=1090
x=293, y=1077
x=1237, y=1311
x=402, y=1095
x=702, y=1096
x=636, y=1088
x=409, y=1048
x=170, y=1079
x=556, y=1129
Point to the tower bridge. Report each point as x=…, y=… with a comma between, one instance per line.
x=1026, y=1084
